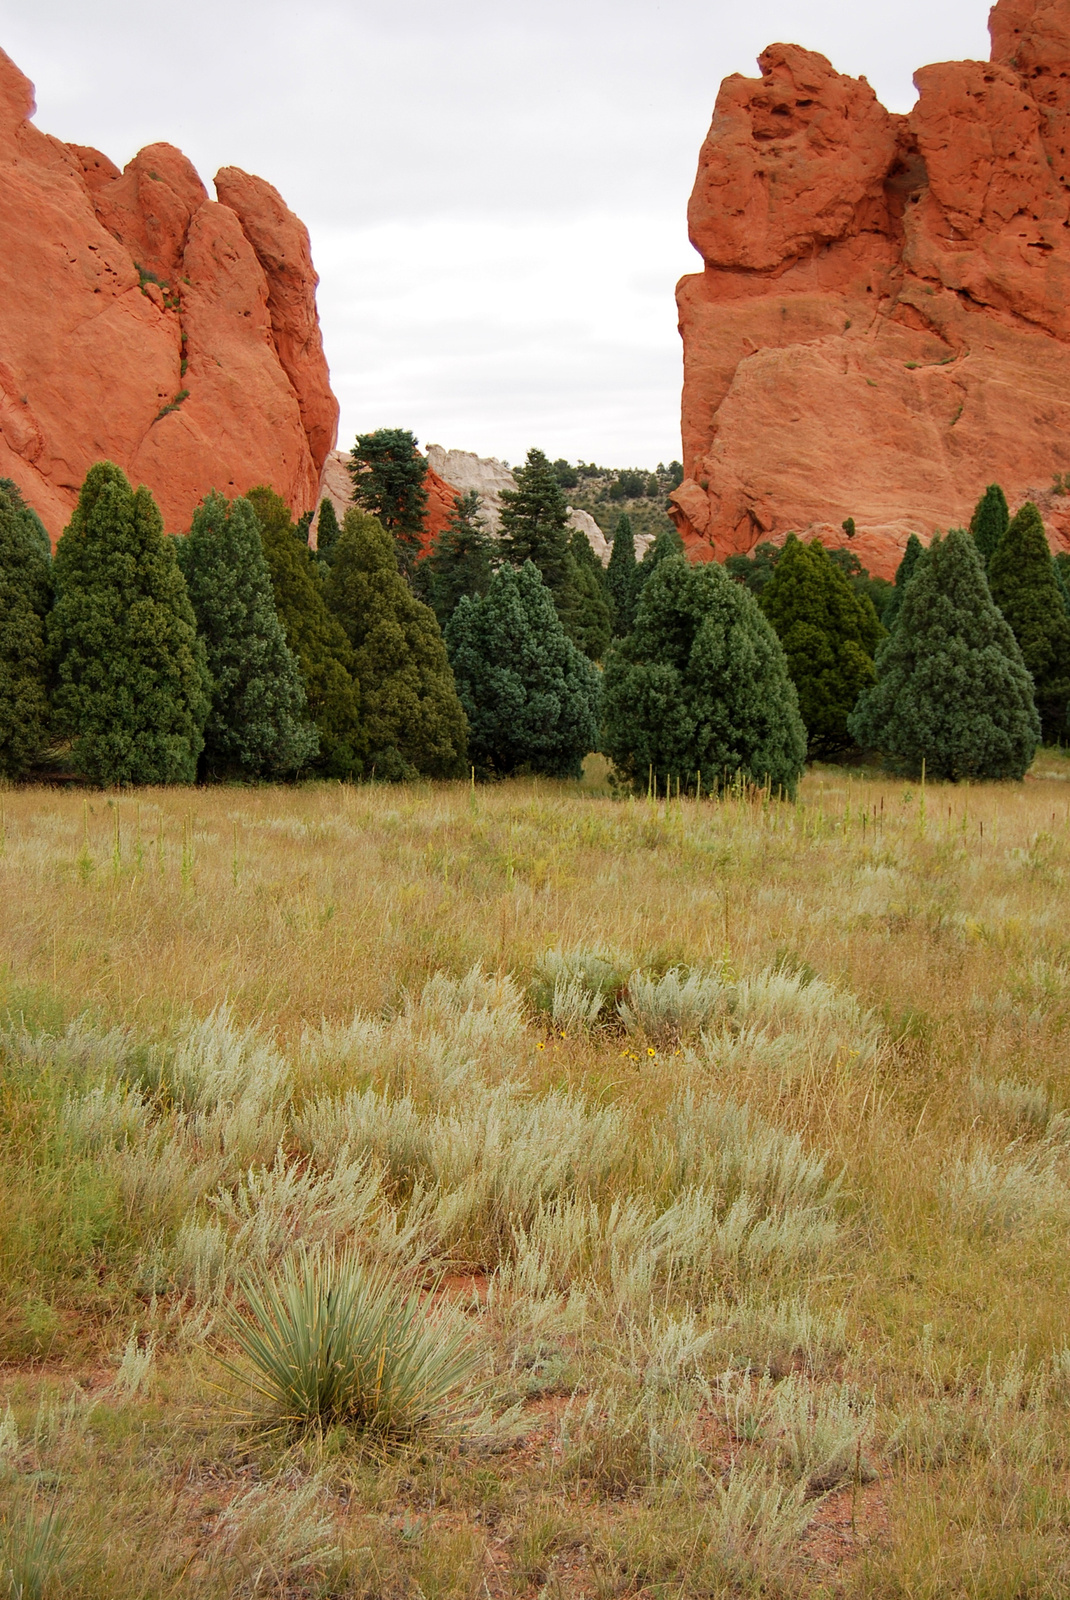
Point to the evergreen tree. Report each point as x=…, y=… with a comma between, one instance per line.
x=535, y=528
x=667, y=544
x=461, y=560
x=586, y=612
x=622, y=576
x=317, y=639
x=1062, y=577
x=25, y=601
x=132, y=685
x=388, y=475
x=257, y=722
x=327, y=531
x=531, y=697
x=412, y=716
x=534, y=524
x=1022, y=578
x=952, y=689
x=828, y=634
x=903, y=574
x=755, y=570
x=700, y=687
x=989, y=522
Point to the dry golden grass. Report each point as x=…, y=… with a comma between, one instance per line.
x=859, y=1385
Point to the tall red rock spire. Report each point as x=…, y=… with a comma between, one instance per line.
x=882, y=326
x=144, y=323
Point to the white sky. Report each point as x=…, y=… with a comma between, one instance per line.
x=495, y=189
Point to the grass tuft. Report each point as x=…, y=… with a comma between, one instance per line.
x=330, y=1342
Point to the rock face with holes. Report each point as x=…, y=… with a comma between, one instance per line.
x=882, y=326
x=144, y=323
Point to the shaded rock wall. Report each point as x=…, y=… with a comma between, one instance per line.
x=882, y=326
x=145, y=323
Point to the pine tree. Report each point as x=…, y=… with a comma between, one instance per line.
x=25, y=601
x=828, y=634
x=534, y=523
x=1022, y=578
x=324, y=654
x=903, y=574
x=699, y=690
x=388, y=475
x=461, y=560
x=257, y=723
x=132, y=685
x=327, y=531
x=952, y=690
x=622, y=576
x=989, y=522
x=412, y=716
x=586, y=611
x=531, y=697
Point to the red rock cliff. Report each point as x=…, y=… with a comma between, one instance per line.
x=144, y=323
x=883, y=323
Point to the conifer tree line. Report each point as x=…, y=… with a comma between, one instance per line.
x=245, y=650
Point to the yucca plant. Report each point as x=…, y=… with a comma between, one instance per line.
x=330, y=1341
x=32, y=1551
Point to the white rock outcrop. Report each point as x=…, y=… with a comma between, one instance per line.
x=465, y=470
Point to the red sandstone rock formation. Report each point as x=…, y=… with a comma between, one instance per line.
x=144, y=323
x=883, y=323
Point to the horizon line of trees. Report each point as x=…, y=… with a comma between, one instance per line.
x=239, y=651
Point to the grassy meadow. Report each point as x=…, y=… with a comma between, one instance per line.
x=729, y=1142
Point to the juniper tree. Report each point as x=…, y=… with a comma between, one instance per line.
x=388, y=475
x=757, y=569
x=531, y=697
x=326, y=530
x=586, y=611
x=699, y=691
x=622, y=576
x=413, y=719
x=25, y=601
x=667, y=544
x=1024, y=585
x=903, y=574
x=989, y=522
x=258, y=720
x=952, y=690
x=324, y=654
x=461, y=560
x=1062, y=577
x=132, y=685
x=828, y=634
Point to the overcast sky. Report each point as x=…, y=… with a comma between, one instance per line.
x=495, y=189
